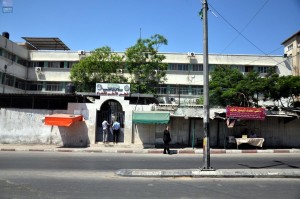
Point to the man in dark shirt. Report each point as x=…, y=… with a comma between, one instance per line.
x=167, y=140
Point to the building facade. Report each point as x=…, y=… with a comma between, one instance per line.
x=292, y=52
x=35, y=68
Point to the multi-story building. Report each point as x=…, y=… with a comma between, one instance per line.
x=292, y=52
x=41, y=66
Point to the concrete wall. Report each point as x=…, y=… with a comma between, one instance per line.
x=277, y=131
x=13, y=47
x=26, y=126
x=49, y=74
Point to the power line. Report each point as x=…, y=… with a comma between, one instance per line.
x=267, y=55
x=246, y=25
x=240, y=32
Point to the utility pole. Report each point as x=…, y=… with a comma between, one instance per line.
x=206, y=134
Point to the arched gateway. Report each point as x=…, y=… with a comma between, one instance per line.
x=110, y=111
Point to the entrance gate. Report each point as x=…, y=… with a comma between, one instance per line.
x=110, y=110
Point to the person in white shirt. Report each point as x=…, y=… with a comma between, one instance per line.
x=105, y=125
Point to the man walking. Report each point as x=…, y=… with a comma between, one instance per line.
x=167, y=140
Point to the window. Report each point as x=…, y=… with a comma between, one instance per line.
x=172, y=66
x=41, y=64
x=197, y=90
x=162, y=89
x=61, y=64
x=9, y=80
x=173, y=90
x=22, y=61
x=184, y=90
x=184, y=67
x=248, y=69
x=197, y=67
x=263, y=69
x=290, y=47
x=8, y=55
x=20, y=84
x=34, y=86
x=54, y=64
x=70, y=64
x=181, y=67
x=53, y=86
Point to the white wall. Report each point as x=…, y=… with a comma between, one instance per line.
x=24, y=126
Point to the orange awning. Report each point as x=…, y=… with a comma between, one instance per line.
x=62, y=119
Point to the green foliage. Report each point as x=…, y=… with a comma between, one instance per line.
x=223, y=84
x=142, y=61
x=145, y=64
x=101, y=66
x=230, y=87
x=200, y=101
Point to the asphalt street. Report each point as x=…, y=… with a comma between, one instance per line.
x=92, y=175
x=113, y=161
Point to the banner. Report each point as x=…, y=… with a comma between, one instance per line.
x=245, y=113
x=112, y=89
x=7, y=6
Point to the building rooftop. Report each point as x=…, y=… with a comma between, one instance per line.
x=297, y=33
x=46, y=43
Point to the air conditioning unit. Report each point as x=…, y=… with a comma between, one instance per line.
x=191, y=54
x=81, y=52
x=38, y=69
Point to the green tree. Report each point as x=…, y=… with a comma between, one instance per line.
x=230, y=87
x=101, y=66
x=145, y=64
x=284, y=87
x=223, y=86
x=251, y=86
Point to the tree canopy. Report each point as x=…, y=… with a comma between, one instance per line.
x=230, y=87
x=101, y=66
x=145, y=64
x=142, y=61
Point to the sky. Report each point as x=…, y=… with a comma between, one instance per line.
x=234, y=26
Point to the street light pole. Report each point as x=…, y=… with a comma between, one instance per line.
x=206, y=133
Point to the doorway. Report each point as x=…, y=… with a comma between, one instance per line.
x=110, y=110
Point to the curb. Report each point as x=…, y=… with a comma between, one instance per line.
x=144, y=151
x=220, y=173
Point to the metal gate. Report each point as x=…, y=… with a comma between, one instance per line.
x=111, y=109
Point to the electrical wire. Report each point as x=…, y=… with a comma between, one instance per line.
x=239, y=32
x=246, y=25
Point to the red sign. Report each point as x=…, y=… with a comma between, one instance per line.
x=245, y=113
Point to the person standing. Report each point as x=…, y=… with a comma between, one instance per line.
x=105, y=125
x=167, y=140
x=116, y=131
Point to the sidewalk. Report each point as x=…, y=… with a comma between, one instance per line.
x=219, y=173
x=195, y=173
x=121, y=148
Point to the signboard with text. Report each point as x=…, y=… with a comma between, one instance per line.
x=112, y=89
x=245, y=113
x=7, y=6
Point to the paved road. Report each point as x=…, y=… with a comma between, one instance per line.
x=91, y=175
x=112, y=162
